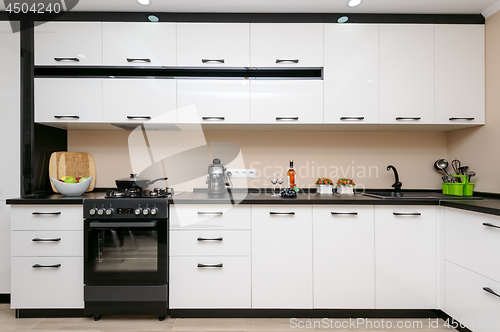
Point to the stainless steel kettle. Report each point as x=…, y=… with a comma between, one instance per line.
x=217, y=179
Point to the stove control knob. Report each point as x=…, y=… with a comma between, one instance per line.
x=109, y=211
x=146, y=211
x=138, y=211
x=93, y=211
x=101, y=211
x=154, y=211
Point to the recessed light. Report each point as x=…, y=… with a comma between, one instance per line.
x=153, y=18
x=343, y=19
x=143, y=2
x=354, y=3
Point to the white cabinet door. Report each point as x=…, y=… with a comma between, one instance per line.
x=4, y=248
x=351, y=73
x=343, y=259
x=213, y=44
x=286, y=44
x=46, y=217
x=282, y=256
x=406, y=73
x=210, y=216
x=460, y=73
x=10, y=109
x=139, y=100
x=405, y=257
x=283, y=101
x=139, y=44
x=68, y=43
x=213, y=101
x=210, y=243
x=68, y=100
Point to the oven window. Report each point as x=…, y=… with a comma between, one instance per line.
x=125, y=250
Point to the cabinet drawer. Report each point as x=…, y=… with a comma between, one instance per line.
x=47, y=243
x=46, y=217
x=467, y=301
x=47, y=287
x=471, y=244
x=209, y=243
x=210, y=216
x=195, y=286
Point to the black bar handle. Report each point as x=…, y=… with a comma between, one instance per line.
x=343, y=118
x=407, y=213
x=67, y=59
x=408, y=118
x=66, y=116
x=219, y=118
x=210, y=213
x=37, y=239
x=110, y=224
x=287, y=118
x=282, y=213
x=140, y=60
x=40, y=265
x=212, y=60
x=212, y=239
x=210, y=265
x=490, y=225
x=43, y=213
x=468, y=119
x=345, y=213
x=491, y=291
x=147, y=117
x=287, y=60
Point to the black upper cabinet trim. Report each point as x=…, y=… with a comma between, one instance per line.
x=254, y=17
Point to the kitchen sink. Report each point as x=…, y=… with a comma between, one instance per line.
x=399, y=195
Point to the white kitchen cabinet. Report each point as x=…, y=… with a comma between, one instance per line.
x=68, y=43
x=210, y=216
x=213, y=44
x=407, y=73
x=46, y=217
x=468, y=302
x=343, y=257
x=139, y=44
x=286, y=101
x=5, y=248
x=139, y=100
x=405, y=257
x=210, y=242
x=286, y=44
x=68, y=100
x=213, y=101
x=282, y=256
x=47, y=243
x=460, y=74
x=351, y=73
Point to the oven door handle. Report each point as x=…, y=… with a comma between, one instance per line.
x=108, y=224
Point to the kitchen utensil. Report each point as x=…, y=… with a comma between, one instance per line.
x=470, y=174
x=441, y=165
x=217, y=179
x=71, y=189
x=135, y=182
x=456, y=164
x=463, y=170
x=77, y=164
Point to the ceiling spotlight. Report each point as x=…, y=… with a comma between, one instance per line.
x=354, y=3
x=143, y=2
x=343, y=19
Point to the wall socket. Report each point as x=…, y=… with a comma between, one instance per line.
x=242, y=173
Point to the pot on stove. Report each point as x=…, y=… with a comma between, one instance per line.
x=135, y=182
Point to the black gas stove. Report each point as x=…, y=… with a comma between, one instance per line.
x=140, y=193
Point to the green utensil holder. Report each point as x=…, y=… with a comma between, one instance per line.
x=446, y=188
x=456, y=189
x=468, y=189
x=463, y=177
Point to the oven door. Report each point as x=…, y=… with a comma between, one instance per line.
x=125, y=252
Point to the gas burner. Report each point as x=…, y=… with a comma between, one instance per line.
x=140, y=193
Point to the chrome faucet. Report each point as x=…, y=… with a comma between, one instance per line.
x=397, y=184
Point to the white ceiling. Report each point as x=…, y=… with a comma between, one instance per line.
x=294, y=6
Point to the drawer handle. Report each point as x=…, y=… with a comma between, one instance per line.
x=491, y=291
x=345, y=213
x=67, y=59
x=212, y=60
x=207, y=239
x=53, y=266
x=213, y=118
x=210, y=265
x=210, y=213
x=490, y=225
x=468, y=119
x=407, y=213
x=66, y=116
x=44, y=213
x=287, y=118
x=358, y=118
x=282, y=213
x=138, y=60
x=287, y=60
x=37, y=239
x=408, y=118
x=146, y=117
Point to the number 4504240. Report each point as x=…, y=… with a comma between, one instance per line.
x=38, y=8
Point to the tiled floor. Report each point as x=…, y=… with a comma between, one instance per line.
x=8, y=322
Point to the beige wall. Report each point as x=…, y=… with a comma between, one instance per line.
x=333, y=154
x=479, y=147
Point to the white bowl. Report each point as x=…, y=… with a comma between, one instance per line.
x=71, y=189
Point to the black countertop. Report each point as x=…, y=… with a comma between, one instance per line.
x=488, y=206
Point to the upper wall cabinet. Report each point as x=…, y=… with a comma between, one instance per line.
x=351, y=75
x=213, y=44
x=68, y=43
x=460, y=73
x=286, y=44
x=139, y=44
x=407, y=73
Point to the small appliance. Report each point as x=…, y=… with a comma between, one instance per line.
x=217, y=180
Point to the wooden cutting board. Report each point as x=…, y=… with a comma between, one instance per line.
x=77, y=164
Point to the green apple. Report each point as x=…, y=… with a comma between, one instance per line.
x=82, y=180
x=70, y=179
